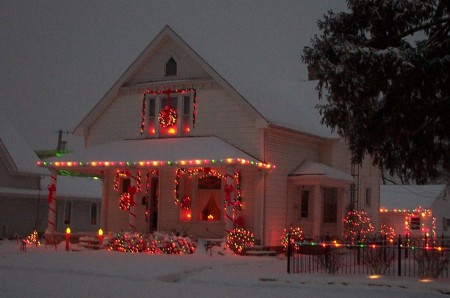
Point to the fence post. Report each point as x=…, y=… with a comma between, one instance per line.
x=407, y=242
x=289, y=252
x=399, y=255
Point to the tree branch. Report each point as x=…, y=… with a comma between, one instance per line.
x=424, y=26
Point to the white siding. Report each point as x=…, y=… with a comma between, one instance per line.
x=287, y=151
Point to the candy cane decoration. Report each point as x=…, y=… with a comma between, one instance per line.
x=229, y=212
x=51, y=226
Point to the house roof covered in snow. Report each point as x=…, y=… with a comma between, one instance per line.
x=166, y=151
x=409, y=196
x=21, y=157
x=314, y=169
x=266, y=73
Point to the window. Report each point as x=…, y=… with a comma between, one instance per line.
x=186, y=204
x=445, y=223
x=181, y=102
x=304, y=204
x=209, y=196
x=125, y=185
x=415, y=223
x=329, y=205
x=67, y=212
x=94, y=207
x=368, y=196
x=171, y=67
x=201, y=198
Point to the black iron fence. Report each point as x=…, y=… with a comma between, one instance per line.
x=411, y=258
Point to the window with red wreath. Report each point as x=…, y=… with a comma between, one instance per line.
x=169, y=116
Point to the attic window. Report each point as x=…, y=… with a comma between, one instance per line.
x=171, y=67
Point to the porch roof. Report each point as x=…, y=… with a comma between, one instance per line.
x=186, y=151
x=316, y=170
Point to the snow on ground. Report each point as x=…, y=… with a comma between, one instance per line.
x=43, y=272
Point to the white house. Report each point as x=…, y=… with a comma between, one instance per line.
x=24, y=194
x=199, y=146
x=416, y=210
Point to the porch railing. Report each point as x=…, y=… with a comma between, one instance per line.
x=411, y=258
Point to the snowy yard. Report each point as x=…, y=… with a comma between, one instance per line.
x=43, y=272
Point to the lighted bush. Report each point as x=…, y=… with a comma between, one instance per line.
x=388, y=232
x=238, y=239
x=158, y=243
x=357, y=225
x=296, y=235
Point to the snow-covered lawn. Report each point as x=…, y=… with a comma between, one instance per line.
x=44, y=272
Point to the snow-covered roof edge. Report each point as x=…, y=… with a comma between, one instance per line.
x=20, y=152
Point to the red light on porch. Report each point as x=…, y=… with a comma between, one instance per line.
x=210, y=217
x=186, y=215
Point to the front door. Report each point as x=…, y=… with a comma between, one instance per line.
x=152, y=206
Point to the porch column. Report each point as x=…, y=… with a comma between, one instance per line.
x=133, y=205
x=229, y=189
x=51, y=223
x=317, y=211
x=105, y=200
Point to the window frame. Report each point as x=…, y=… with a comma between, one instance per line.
x=156, y=102
x=194, y=190
x=91, y=217
x=305, y=201
x=330, y=204
x=368, y=198
x=67, y=213
x=171, y=68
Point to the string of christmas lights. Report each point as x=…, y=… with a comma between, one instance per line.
x=152, y=163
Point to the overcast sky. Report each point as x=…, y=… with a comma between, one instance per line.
x=58, y=58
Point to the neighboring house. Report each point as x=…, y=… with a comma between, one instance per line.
x=24, y=195
x=200, y=146
x=78, y=204
x=416, y=210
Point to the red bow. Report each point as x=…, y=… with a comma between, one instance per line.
x=132, y=190
x=228, y=190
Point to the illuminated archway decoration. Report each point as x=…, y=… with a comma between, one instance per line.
x=417, y=212
x=424, y=214
x=236, y=202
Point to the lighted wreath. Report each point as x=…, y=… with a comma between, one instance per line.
x=167, y=117
x=186, y=203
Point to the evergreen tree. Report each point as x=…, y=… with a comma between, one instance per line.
x=383, y=69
